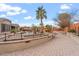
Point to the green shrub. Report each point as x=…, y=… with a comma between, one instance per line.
x=13, y=30
x=72, y=31
x=48, y=28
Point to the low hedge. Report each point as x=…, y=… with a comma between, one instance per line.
x=72, y=31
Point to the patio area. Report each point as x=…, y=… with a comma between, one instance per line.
x=61, y=45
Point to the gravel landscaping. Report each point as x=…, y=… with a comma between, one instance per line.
x=61, y=45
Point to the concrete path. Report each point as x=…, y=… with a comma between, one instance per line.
x=61, y=45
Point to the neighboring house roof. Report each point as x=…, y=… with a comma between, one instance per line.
x=7, y=21
x=4, y=19
x=26, y=28
x=16, y=25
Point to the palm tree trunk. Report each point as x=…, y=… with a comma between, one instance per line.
x=41, y=26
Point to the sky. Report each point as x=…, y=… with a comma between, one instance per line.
x=39, y=1
x=24, y=14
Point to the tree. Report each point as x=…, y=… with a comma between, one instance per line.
x=48, y=28
x=34, y=29
x=64, y=20
x=40, y=15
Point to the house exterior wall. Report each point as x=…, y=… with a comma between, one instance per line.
x=73, y=27
x=5, y=25
x=15, y=26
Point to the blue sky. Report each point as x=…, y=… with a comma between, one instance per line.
x=24, y=13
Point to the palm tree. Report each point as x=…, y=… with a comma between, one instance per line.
x=40, y=15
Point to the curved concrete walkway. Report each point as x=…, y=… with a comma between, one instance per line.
x=59, y=46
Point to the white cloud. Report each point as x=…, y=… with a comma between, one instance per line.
x=23, y=24
x=70, y=4
x=61, y=11
x=6, y=7
x=12, y=13
x=15, y=21
x=3, y=15
x=24, y=11
x=65, y=6
x=28, y=17
x=15, y=8
x=51, y=23
x=11, y=10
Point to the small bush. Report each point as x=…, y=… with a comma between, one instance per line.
x=48, y=28
x=13, y=31
x=72, y=31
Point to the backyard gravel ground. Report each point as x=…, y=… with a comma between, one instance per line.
x=61, y=45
